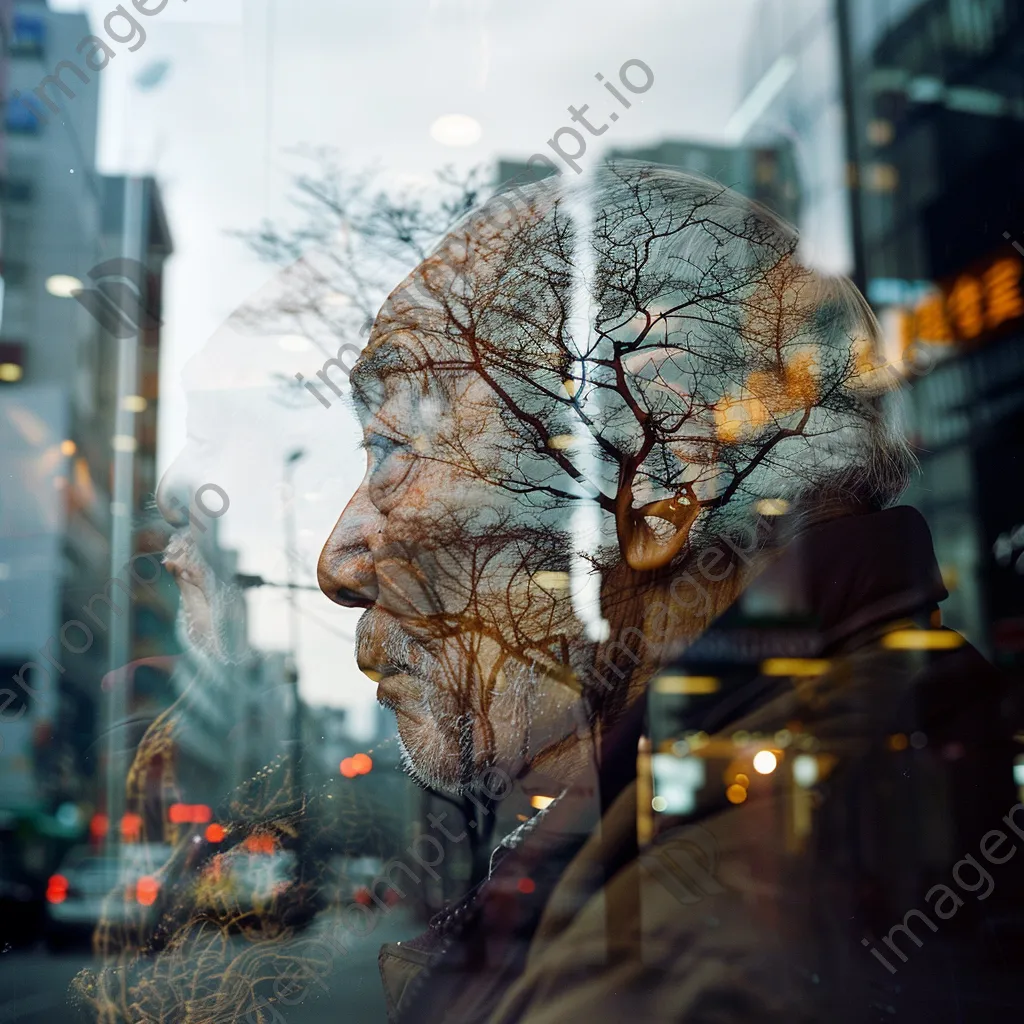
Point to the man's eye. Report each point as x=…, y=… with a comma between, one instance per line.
x=380, y=446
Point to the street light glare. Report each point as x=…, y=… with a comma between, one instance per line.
x=456, y=130
x=63, y=286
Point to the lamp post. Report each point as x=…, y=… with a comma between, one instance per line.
x=291, y=553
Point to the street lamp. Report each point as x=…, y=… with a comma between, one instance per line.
x=291, y=553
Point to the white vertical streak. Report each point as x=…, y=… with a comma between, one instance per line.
x=585, y=581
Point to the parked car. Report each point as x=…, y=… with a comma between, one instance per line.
x=90, y=886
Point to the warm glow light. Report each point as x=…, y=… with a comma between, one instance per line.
x=736, y=794
x=63, y=286
x=261, y=842
x=347, y=768
x=794, y=667
x=10, y=373
x=68, y=448
x=189, y=814
x=57, y=889
x=99, y=825
x=134, y=403
x=550, y=580
x=131, y=826
x=562, y=442
x=686, y=684
x=456, y=130
x=526, y=886
x=922, y=640
x=765, y=762
x=540, y=802
x=772, y=507
x=146, y=890
x=362, y=763
x=215, y=833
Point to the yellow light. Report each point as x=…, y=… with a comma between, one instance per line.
x=966, y=304
x=541, y=802
x=552, y=580
x=134, y=403
x=10, y=372
x=931, y=322
x=659, y=803
x=922, y=640
x=739, y=417
x=562, y=442
x=741, y=780
x=63, y=286
x=765, y=762
x=794, y=667
x=736, y=794
x=686, y=684
x=772, y=507
x=898, y=741
x=456, y=130
x=68, y=448
x=124, y=443
x=1002, y=292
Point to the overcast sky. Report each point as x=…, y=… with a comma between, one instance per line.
x=251, y=79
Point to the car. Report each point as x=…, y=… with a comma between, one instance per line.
x=90, y=886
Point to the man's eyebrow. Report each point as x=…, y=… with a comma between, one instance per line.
x=369, y=368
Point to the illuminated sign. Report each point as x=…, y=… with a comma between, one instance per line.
x=971, y=307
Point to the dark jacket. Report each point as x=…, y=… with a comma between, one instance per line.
x=863, y=879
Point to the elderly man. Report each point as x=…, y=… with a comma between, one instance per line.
x=626, y=520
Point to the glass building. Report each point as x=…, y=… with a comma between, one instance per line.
x=907, y=121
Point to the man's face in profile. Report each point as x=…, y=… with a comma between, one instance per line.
x=470, y=633
x=696, y=369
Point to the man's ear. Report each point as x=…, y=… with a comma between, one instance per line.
x=644, y=548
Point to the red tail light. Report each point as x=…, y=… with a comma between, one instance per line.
x=147, y=889
x=56, y=889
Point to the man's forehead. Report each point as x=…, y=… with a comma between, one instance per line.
x=403, y=362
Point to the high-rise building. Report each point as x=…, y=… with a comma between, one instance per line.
x=907, y=121
x=936, y=118
x=68, y=301
x=48, y=384
x=792, y=96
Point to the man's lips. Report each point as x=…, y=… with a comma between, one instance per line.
x=183, y=563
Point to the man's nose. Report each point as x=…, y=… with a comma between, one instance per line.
x=346, y=571
x=174, y=494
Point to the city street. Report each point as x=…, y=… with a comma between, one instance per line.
x=34, y=982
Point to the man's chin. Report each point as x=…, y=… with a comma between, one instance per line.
x=435, y=762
